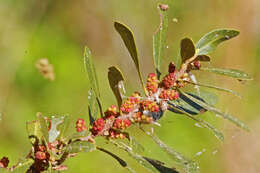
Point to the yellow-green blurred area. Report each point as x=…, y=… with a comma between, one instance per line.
x=59, y=30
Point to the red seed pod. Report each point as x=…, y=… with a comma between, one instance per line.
x=40, y=155
x=197, y=64
x=164, y=7
x=4, y=162
x=80, y=125
x=169, y=80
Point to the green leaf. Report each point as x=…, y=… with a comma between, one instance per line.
x=44, y=126
x=128, y=38
x=160, y=166
x=80, y=146
x=93, y=104
x=159, y=40
x=119, y=160
x=115, y=78
x=210, y=41
x=54, y=132
x=237, y=74
x=218, y=112
x=64, y=128
x=91, y=71
x=203, y=123
x=135, y=156
x=204, y=58
x=135, y=145
x=180, y=160
x=187, y=49
x=217, y=88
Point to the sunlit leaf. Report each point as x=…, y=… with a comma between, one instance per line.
x=187, y=49
x=91, y=71
x=210, y=41
x=237, y=74
x=80, y=146
x=115, y=77
x=217, y=88
x=119, y=160
x=218, y=112
x=54, y=132
x=159, y=40
x=64, y=128
x=203, y=123
x=135, y=145
x=188, y=105
x=34, y=130
x=93, y=104
x=135, y=156
x=128, y=38
x=187, y=165
x=160, y=166
x=44, y=126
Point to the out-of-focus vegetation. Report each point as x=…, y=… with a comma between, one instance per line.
x=58, y=30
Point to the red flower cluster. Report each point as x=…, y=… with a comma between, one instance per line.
x=152, y=83
x=141, y=118
x=111, y=112
x=98, y=126
x=130, y=103
x=169, y=94
x=121, y=124
x=114, y=134
x=41, y=153
x=80, y=125
x=149, y=106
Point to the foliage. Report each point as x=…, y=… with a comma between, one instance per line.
x=51, y=146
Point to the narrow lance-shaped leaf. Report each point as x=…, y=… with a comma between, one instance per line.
x=118, y=159
x=203, y=123
x=237, y=74
x=210, y=41
x=187, y=49
x=135, y=145
x=128, y=38
x=93, y=104
x=218, y=112
x=91, y=71
x=159, y=40
x=217, y=88
x=115, y=78
x=160, y=166
x=34, y=131
x=135, y=156
x=180, y=160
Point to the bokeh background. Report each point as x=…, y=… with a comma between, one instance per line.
x=59, y=30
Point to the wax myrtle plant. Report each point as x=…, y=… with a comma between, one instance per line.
x=51, y=147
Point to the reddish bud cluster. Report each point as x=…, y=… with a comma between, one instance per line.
x=169, y=80
x=80, y=125
x=130, y=104
x=152, y=83
x=169, y=94
x=121, y=124
x=149, y=105
x=98, y=126
x=4, y=162
x=197, y=64
x=41, y=153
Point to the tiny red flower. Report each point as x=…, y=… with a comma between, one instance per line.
x=4, y=162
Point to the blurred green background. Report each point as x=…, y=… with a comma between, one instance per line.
x=59, y=30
